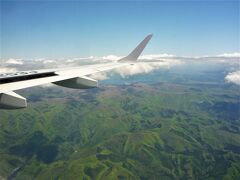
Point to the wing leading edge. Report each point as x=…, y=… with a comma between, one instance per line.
x=72, y=78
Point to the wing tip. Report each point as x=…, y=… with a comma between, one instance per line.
x=133, y=56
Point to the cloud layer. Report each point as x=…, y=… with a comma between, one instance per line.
x=10, y=65
x=145, y=64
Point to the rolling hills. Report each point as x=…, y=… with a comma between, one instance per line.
x=167, y=130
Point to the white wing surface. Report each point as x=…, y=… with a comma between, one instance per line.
x=76, y=77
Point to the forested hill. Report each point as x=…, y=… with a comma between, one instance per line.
x=167, y=130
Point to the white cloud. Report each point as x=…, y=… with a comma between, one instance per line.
x=14, y=61
x=99, y=76
x=7, y=70
x=145, y=67
x=48, y=61
x=156, y=56
x=233, y=77
x=230, y=55
x=70, y=60
x=125, y=71
x=111, y=57
x=137, y=68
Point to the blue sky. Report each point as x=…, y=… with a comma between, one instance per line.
x=63, y=29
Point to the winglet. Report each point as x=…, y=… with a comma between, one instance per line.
x=133, y=56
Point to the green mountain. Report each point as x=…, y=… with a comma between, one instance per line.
x=154, y=131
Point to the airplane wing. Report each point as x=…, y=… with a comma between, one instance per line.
x=76, y=77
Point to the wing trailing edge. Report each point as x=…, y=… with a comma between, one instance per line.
x=12, y=100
